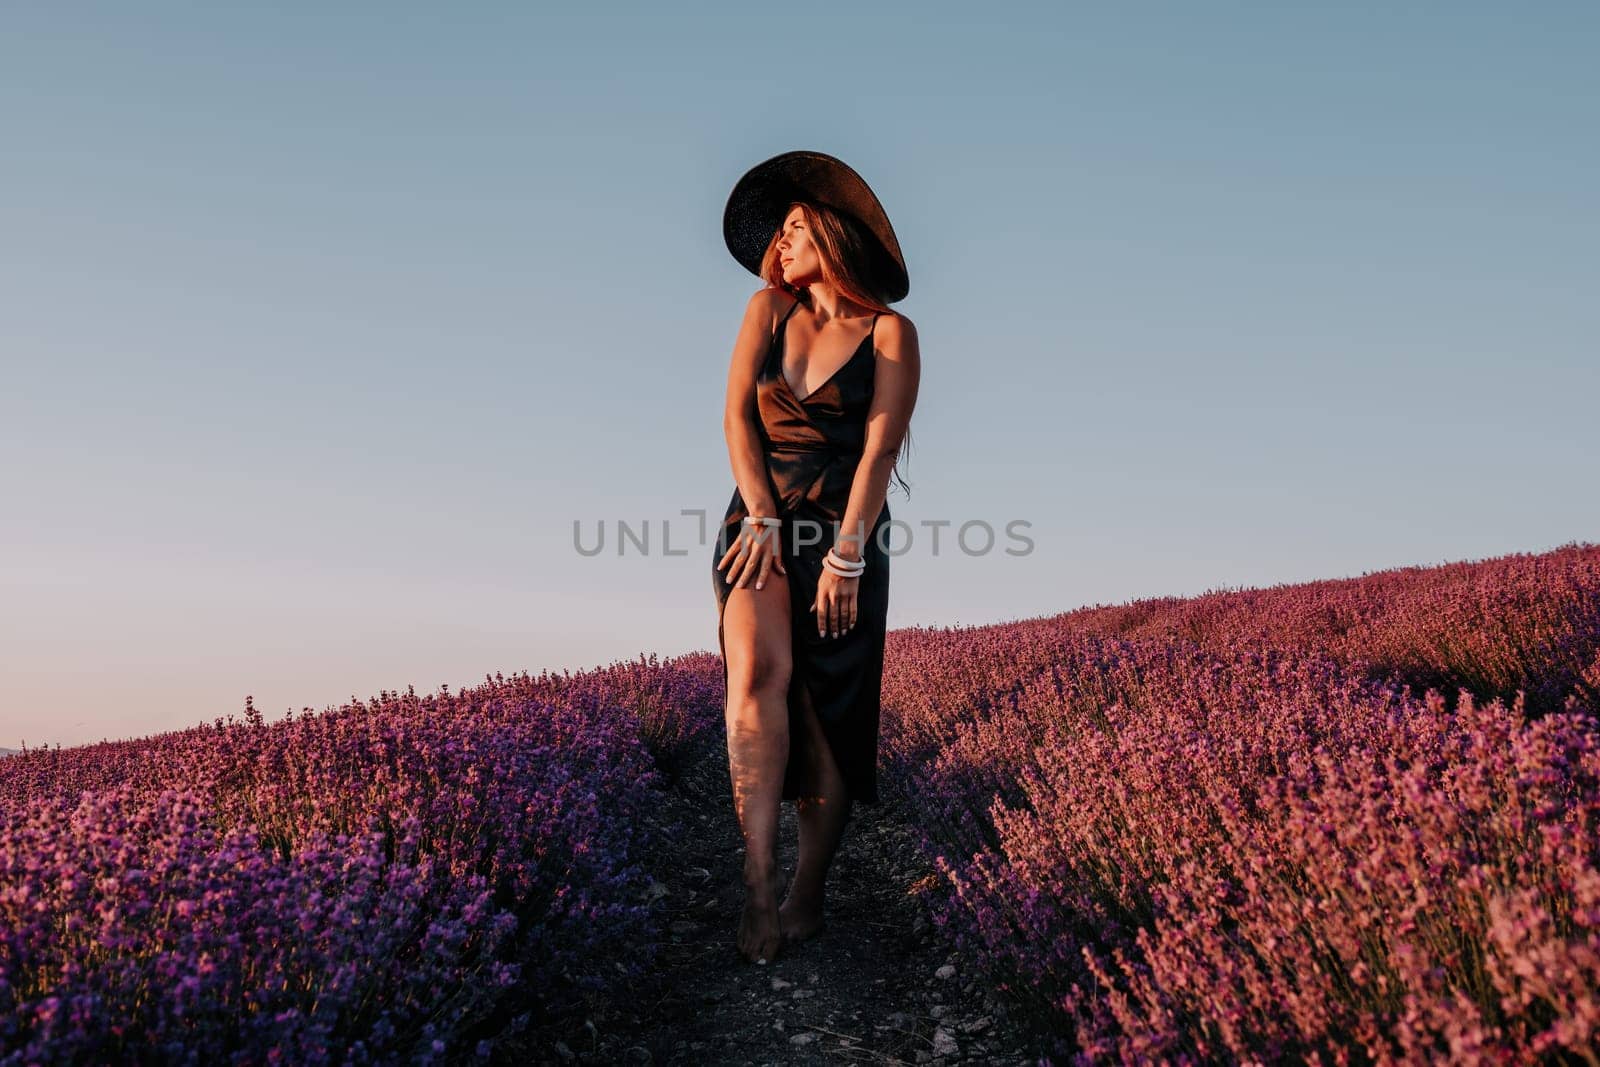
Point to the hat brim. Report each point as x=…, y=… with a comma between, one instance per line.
x=761, y=198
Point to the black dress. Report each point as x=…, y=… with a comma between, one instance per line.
x=812, y=447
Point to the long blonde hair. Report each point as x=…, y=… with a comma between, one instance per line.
x=849, y=254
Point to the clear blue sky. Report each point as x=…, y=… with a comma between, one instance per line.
x=322, y=326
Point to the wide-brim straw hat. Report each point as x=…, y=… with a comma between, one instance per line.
x=760, y=200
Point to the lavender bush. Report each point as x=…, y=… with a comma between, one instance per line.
x=402, y=878
x=1224, y=830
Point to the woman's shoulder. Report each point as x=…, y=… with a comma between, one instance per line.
x=771, y=297
x=769, y=303
x=893, y=326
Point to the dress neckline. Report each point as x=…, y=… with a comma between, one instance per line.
x=780, y=342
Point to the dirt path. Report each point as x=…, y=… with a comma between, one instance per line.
x=875, y=986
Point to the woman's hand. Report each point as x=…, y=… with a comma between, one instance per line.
x=836, y=603
x=754, y=554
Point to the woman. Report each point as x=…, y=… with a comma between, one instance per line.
x=820, y=392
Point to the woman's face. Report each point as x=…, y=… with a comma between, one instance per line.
x=801, y=263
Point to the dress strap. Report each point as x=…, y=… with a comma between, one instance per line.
x=779, y=328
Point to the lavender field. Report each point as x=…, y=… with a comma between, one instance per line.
x=1352, y=821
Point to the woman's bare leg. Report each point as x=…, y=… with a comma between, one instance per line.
x=755, y=626
x=822, y=814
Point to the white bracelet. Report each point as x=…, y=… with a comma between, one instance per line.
x=751, y=520
x=845, y=568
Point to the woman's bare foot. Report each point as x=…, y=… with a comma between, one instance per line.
x=760, y=936
x=800, y=916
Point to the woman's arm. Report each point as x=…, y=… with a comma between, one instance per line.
x=739, y=416
x=899, y=370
